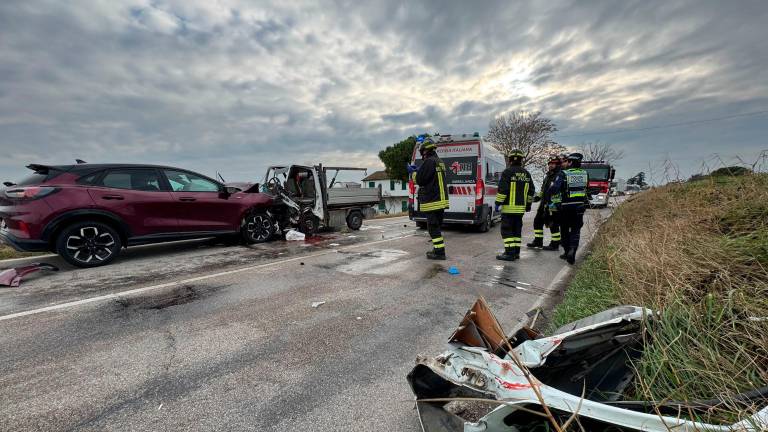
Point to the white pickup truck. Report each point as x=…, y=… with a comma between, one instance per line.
x=307, y=200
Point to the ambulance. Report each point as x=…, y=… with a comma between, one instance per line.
x=473, y=170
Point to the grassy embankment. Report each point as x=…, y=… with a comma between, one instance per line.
x=698, y=254
x=8, y=253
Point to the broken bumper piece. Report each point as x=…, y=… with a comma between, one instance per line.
x=476, y=385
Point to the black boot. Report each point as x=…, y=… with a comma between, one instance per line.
x=538, y=242
x=552, y=246
x=509, y=255
x=571, y=257
x=565, y=254
x=437, y=254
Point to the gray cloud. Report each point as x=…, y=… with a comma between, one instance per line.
x=234, y=85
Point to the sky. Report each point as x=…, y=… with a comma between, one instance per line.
x=235, y=86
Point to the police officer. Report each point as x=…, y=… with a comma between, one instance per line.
x=569, y=198
x=433, y=195
x=514, y=198
x=544, y=215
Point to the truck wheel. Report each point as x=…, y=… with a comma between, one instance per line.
x=421, y=225
x=486, y=224
x=257, y=227
x=309, y=223
x=88, y=244
x=354, y=220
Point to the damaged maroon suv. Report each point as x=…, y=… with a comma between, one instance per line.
x=87, y=213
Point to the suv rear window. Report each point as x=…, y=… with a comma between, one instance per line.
x=147, y=180
x=38, y=178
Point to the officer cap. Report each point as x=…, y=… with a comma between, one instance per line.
x=575, y=157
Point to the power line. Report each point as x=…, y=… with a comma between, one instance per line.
x=665, y=126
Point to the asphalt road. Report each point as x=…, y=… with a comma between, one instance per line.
x=193, y=336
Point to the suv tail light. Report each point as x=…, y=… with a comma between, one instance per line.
x=30, y=193
x=479, y=192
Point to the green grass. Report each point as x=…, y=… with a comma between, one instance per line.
x=698, y=254
x=590, y=292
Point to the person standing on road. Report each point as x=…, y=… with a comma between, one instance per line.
x=569, y=197
x=544, y=215
x=433, y=195
x=514, y=198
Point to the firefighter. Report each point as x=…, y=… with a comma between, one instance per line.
x=433, y=195
x=544, y=215
x=514, y=198
x=569, y=198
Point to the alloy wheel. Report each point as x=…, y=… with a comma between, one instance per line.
x=91, y=245
x=259, y=227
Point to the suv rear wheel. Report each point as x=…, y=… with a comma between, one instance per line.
x=88, y=244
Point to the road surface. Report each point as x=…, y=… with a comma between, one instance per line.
x=193, y=336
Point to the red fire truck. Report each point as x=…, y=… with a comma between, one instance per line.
x=600, y=176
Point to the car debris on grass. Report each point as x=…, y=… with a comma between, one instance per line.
x=488, y=382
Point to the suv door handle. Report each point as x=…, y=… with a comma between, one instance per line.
x=113, y=197
x=187, y=199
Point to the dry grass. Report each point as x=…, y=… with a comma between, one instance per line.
x=698, y=254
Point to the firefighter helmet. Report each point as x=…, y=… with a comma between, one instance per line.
x=427, y=144
x=516, y=154
x=554, y=159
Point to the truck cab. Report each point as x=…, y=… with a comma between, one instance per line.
x=600, y=177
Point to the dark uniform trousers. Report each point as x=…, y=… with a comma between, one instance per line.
x=571, y=222
x=511, y=231
x=434, y=224
x=541, y=219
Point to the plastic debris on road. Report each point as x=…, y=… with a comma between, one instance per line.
x=12, y=277
x=317, y=304
x=294, y=235
x=453, y=270
x=489, y=382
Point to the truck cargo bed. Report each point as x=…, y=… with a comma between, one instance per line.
x=344, y=197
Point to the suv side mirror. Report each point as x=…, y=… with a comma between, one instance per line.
x=230, y=190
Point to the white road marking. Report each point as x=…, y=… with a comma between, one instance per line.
x=184, y=282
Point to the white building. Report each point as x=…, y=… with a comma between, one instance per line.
x=394, y=193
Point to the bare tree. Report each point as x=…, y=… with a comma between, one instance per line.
x=598, y=151
x=529, y=132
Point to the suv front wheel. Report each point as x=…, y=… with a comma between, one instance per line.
x=88, y=244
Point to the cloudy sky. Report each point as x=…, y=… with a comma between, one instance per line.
x=231, y=86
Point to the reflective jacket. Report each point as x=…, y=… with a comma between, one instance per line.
x=544, y=193
x=516, y=190
x=433, y=192
x=569, y=190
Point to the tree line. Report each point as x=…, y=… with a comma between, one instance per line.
x=530, y=132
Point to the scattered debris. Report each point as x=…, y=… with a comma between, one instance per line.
x=317, y=304
x=359, y=318
x=301, y=263
x=294, y=235
x=453, y=270
x=334, y=244
x=488, y=382
x=12, y=277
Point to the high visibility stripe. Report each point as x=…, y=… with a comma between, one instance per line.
x=525, y=193
x=513, y=209
x=440, y=246
x=437, y=240
x=440, y=182
x=555, y=236
x=512, y=193
x=500, y=198
x=437, y=205
x=538, y=235
x=538, y=231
